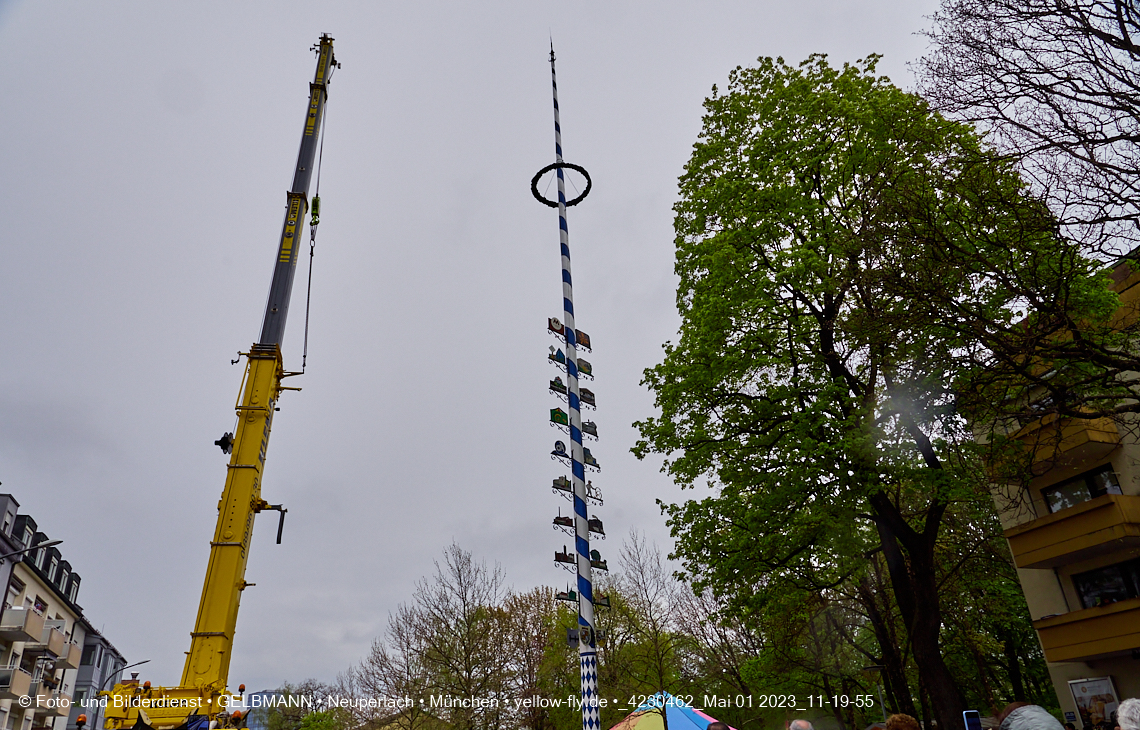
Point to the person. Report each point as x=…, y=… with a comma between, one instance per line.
x=800, y=725
x=1128, y=715
x=901, y=721
x=718, y=725
x=1024, y=716
x=1070, y=726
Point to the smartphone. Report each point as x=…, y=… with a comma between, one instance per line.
x=973, y=719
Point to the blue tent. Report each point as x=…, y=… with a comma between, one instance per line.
x=680, y=716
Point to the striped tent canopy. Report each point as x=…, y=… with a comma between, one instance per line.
x=648, y=717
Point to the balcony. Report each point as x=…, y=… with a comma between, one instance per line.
x=21, y=624
x=1069, y=441
x=48, y=703
x=1104, y=524
x=1091, y=633
x=39, y=694
x=14, y=683
x=60, y=703
x=52, y=641
x=69, y=657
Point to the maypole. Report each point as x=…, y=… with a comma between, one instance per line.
x=578, y=457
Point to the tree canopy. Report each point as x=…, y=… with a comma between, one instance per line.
x=845, y=255
x=1054, y=84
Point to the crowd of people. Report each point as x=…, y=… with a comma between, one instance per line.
x=1016, y=716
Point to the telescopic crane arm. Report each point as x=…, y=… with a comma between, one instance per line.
x=205, y=673
x=277, y=308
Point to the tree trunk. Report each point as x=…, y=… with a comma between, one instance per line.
x=916, y=591
x=894, y=671
x=836, y=710
x=984, y=675
x=924, y=698
x=1013, y=667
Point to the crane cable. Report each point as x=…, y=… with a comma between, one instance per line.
x=313, y=223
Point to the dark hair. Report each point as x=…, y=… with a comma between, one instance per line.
x=718, y=725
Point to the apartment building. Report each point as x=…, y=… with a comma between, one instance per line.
x=42, y=631
x=9, y=545
x=100, y=667
x=1075, y=539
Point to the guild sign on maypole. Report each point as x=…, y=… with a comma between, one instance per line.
x=576, y=487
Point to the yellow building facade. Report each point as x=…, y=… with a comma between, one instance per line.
x=1075, y=539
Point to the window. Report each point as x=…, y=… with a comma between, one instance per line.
x=80, y=695
x=15, y=588
x=28, y=536
x=1109, y=584
x=1091, y=484
x=63, y=576
x=88, y=656
x=40, y=558
x=74, y=592
x=52, y=569
x=40, y=605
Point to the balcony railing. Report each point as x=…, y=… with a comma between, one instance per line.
x=21, y=624
x=60, y=703
x=49, y=703
x=52, y=642
x=1091, y=633
x=14, y=683
x=1068, y=440
x=37, y=693
x=69, y=657
x=1105, y=524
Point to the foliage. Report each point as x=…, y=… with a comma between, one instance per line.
x=332, y=719
x=842, y=250
x=295, y=714
x=1054, y=87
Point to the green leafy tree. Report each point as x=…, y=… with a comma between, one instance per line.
x=333, y=719
x=460, y=622
x=838, y=246
x=532, y=629
x=300, y=701
x=646, y=616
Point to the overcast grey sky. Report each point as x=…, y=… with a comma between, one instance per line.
x=146, y=152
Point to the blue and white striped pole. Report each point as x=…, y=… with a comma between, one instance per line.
x=587, y=650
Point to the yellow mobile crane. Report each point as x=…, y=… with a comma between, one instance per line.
x=200, y=699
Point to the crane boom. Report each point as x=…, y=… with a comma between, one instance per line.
x=200, y=697
x=277, y=308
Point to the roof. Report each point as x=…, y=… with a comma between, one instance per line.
x=681, y=716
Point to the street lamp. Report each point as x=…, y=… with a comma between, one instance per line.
x=112, y=674
x=877, y=669
x=98, y=708
x=37, y=546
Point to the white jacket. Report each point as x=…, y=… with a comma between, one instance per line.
x=1032, y=717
